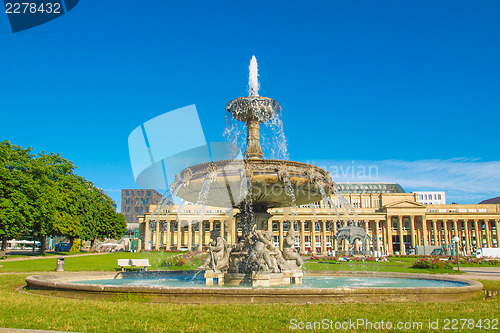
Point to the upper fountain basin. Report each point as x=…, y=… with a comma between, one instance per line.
x=253, y=108
x=270, y=183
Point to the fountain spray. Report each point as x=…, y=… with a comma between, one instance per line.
x=253, y=80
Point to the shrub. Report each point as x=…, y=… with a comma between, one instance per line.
x=189, y=260
x=432, y=264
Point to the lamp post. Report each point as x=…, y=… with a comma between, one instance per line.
x=456, y=240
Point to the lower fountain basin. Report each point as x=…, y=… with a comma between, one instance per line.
x=273, y=183
x=317, y=287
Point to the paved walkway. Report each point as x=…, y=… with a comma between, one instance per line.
x=480, y=273
x=17, y=330
x=52, y=256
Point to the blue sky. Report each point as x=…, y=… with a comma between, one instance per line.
x=402, y=84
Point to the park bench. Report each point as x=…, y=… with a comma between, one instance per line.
x=2, y=255
x=133, y=263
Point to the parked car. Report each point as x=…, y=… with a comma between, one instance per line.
x=62, y=247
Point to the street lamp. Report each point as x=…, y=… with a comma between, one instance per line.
x=456, y=240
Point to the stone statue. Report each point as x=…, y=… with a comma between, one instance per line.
x=263, y=248
x=218, y=256
x=289, y=251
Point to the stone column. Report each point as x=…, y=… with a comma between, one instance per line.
x=377, y=236
x=334, y=241
x=179, y=235
x=169, y=236
x=234, y=232
x=457, y=233
x=190, y=236
x=389, y=234
x=280, y=228
x=402, y=248
x=157, y=232
x=498, y=233
x=200, y=236
x=313, y=236
x=302, y=237
x=424, y=230
x=367, y=241
x=323, y=237
x=467, y=242
x=222, y=229
x=413, y=242
x=445, y=228
x=147, y=235
x=488, y=235
x=435, y=233
x=479, y=240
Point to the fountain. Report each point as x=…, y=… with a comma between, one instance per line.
x=253, y=185
x=267, y=184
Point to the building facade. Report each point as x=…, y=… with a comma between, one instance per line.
x=431, y=197
x=394, y=221
x=135, y=203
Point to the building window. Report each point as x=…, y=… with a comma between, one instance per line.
x=148, y=193
x=316, y=226
x=137, y=209
x=306, y=225
x=275, y=226
x=482, y=210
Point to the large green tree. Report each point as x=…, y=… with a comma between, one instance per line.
x=15, y=183
x=99, y=217
x=42, y=195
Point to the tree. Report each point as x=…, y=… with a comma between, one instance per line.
x=99, y=217
x=14, y=184
x=50, y=174
x=42, y=195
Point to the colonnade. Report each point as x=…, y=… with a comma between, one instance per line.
x=388, y=233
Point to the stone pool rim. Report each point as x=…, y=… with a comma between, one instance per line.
x=63, y=284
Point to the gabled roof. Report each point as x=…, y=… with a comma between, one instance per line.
x=491, y=201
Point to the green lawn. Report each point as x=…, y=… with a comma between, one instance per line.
x=132, y=314
x=98, y=262
x=391, y=266
x=22, y=310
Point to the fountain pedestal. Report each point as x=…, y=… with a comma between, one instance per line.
x=212, y=277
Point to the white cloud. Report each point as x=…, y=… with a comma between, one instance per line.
x=465, y=180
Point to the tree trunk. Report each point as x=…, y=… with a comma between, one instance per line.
x=92, y=245
x=43, y=245
x=4, y=243
x=71, y=241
